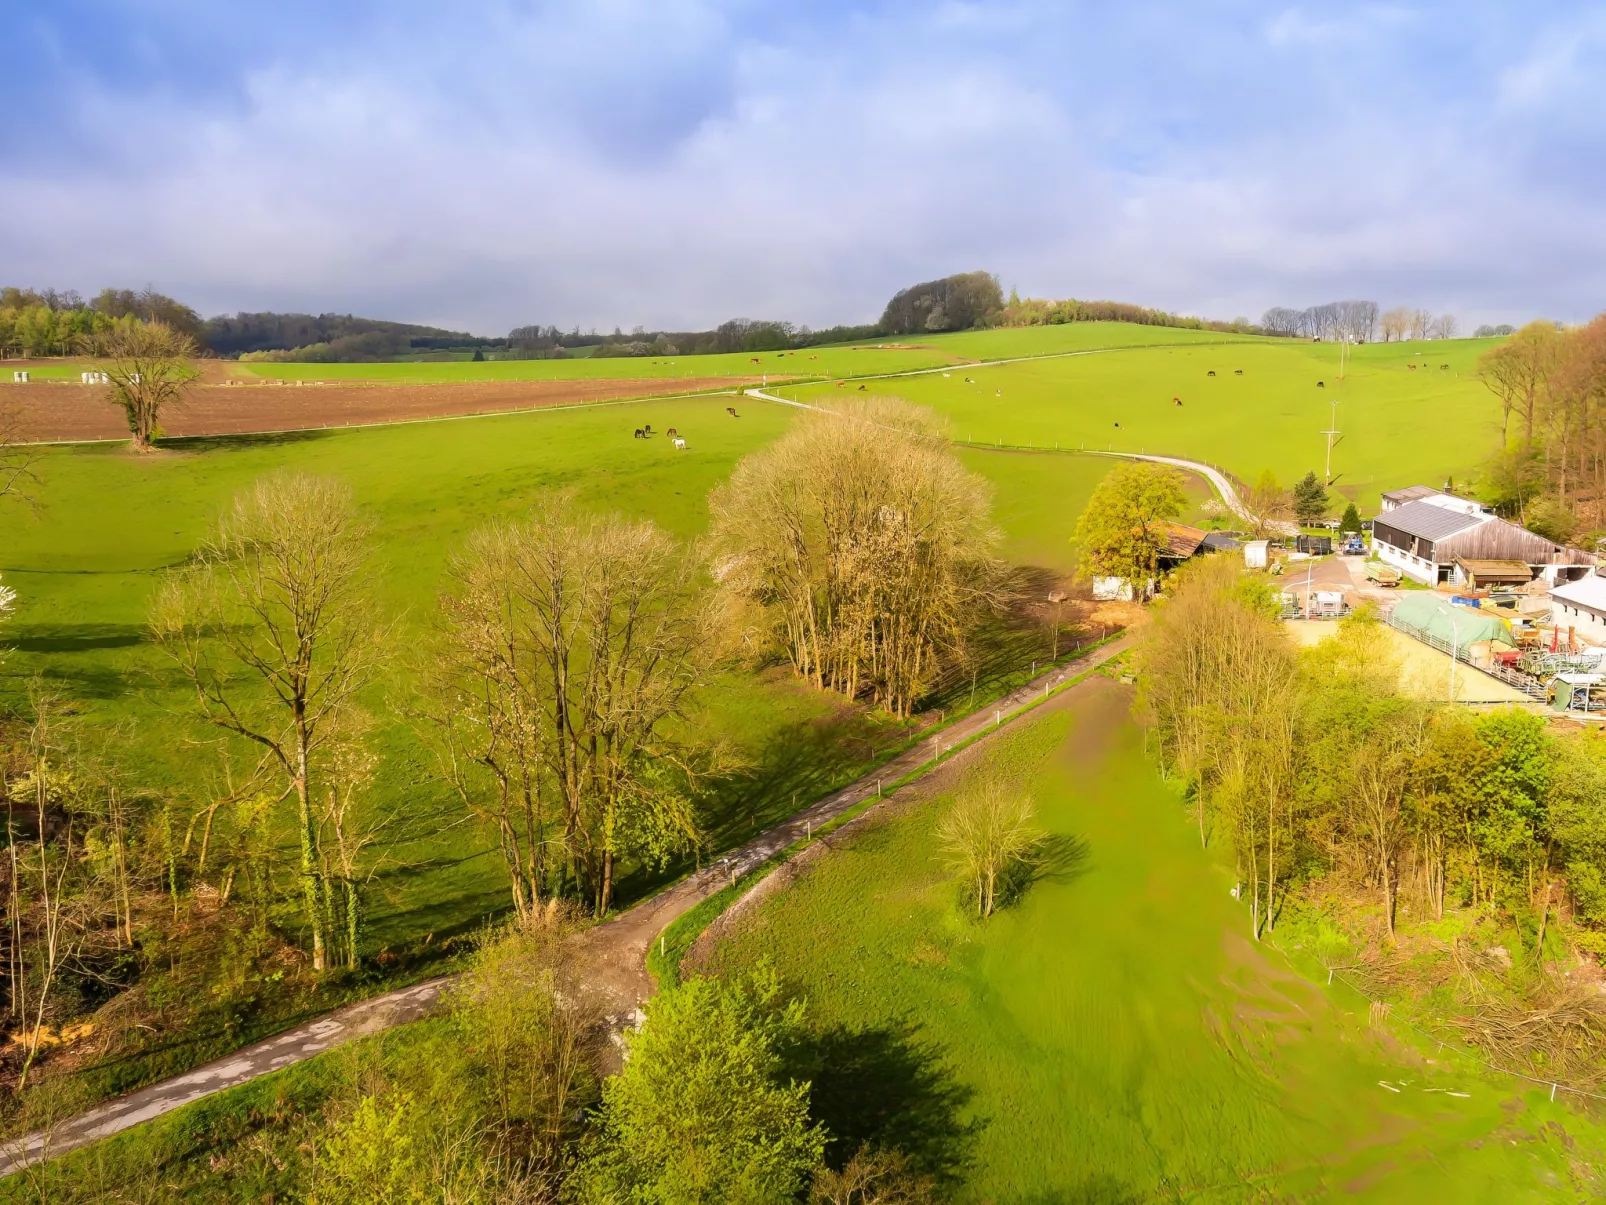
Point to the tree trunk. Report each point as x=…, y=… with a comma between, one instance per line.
x=310, y=895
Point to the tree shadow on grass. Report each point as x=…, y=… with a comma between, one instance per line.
x=1096, y=1189
x=886, y=1086
x=75, y=637
x=243, y=442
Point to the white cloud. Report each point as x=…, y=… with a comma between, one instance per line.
x=678, y=164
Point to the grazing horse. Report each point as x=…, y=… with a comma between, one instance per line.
x=1177, y=400
x=754, y=360
x=681, y=444
x=1237, y=372
x=1321, y=384
x=1211, y=373
x=647, y=427
x=640, y=434
x=1117, y=424
x=1444, y=366
x=731, y=410
x=671, y=433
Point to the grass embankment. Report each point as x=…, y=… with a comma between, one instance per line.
x=1116, y=1036
x=1401, y=425
x=111, y=522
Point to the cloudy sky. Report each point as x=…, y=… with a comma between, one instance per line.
x=678, y=162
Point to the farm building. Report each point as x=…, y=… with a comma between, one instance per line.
x=1581, y=605
x=1220, y=541
x=1395, y=499
x=1178, y=543
x=1438, y=538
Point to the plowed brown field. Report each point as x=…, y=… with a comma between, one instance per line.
x=56, y=411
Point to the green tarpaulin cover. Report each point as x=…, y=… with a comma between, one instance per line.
x=1435, y=616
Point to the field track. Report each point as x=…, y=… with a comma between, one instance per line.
x=613, y=955
x=48, y=412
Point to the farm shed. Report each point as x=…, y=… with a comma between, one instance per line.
x=1178, y=542
x=1257, y=554
x=1429, y=617
x=1218, y=541
x=1581, y=605
x=1482, y=574
x=1181, y=543
x=1425, y=539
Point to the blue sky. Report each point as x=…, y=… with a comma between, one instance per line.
x=678, y=162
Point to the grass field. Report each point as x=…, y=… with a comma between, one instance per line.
x=889, y=355
x=111, y=522
x=1115, y=1037
x=1400, y=425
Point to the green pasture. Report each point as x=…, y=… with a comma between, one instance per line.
x=1400, y=426
x=909, y=353
x=85, y=566
x=1115, y=1036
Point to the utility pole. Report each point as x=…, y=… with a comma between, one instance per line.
x=1332, y=434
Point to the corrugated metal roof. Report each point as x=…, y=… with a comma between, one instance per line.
x=1585, y=592
x=1428, y=521
x=1181, y=540
x=1409, y=494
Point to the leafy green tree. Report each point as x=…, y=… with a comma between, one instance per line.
x=1351, y=520
x=1122, y=531
x=1577, y=816
x=1310, y=499
x=702, y=1112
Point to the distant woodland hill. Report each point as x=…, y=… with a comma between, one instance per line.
x=51, y=323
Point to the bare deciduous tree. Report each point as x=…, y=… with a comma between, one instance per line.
x=152, y=370
x=573, y=642
x=860, y=547
x=873, y=1177
x=274, y=626
x=1518, y=373
x=990, y=837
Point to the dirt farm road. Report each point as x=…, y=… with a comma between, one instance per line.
x=613, y=954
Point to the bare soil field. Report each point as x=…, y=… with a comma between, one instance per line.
x=50, y=411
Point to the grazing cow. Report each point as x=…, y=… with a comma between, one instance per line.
x=1412, y=367
x=671, y=433
x=731, y=410
x=968, y=381
x=861, y=388
x=1321, y=384
x=1211, y=373
x=1177, y=400
x=681, y=444
x=640, y=434
x=1444, y=366
x=1237, y=372
x=1117, y=424
x=754, y=360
